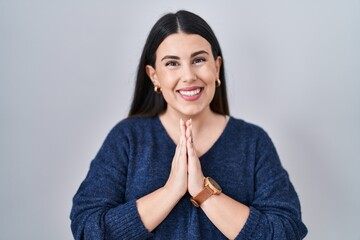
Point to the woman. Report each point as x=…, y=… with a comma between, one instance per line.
x=154, y=175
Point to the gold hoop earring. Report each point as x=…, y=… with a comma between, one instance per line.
x=157, y=89
x=217, y=82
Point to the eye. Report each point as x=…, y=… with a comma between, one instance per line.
x=199, y=60
x=171, y=64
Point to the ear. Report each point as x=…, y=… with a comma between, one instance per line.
x=151, y=72
x=218, y=63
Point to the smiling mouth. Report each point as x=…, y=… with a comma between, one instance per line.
x=190, y=93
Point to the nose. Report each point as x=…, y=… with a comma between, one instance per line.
x=188, y=73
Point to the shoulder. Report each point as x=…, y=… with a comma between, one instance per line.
x=134, y=123
x=248, y=134
x=245, y=129
x=131, y=128
x=253, y=137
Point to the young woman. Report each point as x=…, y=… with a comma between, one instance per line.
x=179, y=167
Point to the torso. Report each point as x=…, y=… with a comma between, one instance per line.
x=229, y=161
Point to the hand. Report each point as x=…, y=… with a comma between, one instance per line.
x=195, y=175
x=177, y=181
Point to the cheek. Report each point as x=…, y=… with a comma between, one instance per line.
x=167, y=80
x=208, y=75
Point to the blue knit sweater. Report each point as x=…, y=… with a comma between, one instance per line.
x=135, y=160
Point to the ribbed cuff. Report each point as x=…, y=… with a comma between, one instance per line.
x=250, y=225
x=123, y=222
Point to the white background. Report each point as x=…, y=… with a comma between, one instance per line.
x=67, y=71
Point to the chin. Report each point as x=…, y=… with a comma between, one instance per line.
x=192, y=112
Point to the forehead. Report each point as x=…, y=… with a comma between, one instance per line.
x=183, y=44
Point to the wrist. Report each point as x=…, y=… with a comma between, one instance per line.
x=197, y=187
x=210, y=188
x=172, y=193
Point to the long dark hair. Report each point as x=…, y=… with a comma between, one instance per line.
x=147, y=103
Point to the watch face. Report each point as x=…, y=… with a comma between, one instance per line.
x=215, y=184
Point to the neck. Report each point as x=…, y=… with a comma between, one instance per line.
x=199, y=121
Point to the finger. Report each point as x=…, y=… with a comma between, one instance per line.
x=180, y=142
x=182, y=156
x=188, y=122
x=182, y=128
x=176, y=155
x=177, y=162
x=181, y=146
x=191, y=133
x=191, y=149
x=188, y=129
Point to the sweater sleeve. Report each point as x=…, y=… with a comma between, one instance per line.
x=99, y=209
x=275, y=210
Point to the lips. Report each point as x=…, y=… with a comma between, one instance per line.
x=190, y=93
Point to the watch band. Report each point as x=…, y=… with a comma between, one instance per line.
x=202, y=196
x=211, y=187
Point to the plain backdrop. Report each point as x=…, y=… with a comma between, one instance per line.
x=67, y=71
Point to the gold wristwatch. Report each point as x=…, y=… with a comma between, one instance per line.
x=210, y=188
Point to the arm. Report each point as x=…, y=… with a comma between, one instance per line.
x=99, y=209
x=220, y=209
x=154, y=207
x=276, y=214
x=275, y=210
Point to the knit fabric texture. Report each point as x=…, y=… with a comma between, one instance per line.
x=135, y=160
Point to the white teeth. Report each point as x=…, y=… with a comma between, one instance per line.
x=190, y=93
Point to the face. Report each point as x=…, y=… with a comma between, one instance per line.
x=186, y=71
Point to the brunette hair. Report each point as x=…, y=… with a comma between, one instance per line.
x=147, y=103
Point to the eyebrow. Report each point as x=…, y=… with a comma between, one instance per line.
x=199, y=52
x=192, y=55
